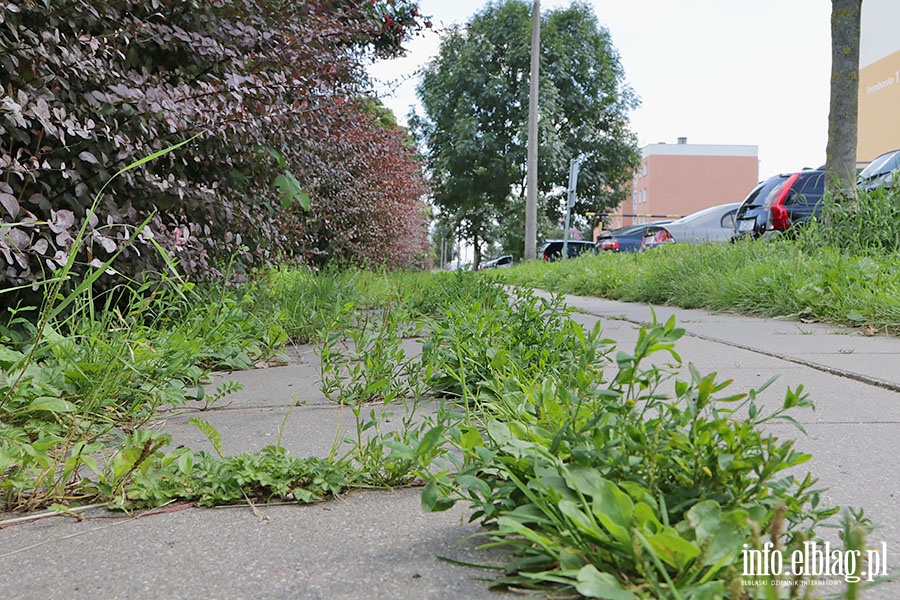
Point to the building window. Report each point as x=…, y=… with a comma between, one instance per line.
x=644, y=169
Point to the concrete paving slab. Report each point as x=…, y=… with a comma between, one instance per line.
x=303, y=432
x=857, y=466
x=367, y=545
x=292, y=384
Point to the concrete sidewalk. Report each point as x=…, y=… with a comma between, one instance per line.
x=381, y=545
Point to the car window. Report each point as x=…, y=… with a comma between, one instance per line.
x=808, y=189
x=728, y=219
x=764, y=191
x=576, y=248
x=881, y=165
x=753, y=195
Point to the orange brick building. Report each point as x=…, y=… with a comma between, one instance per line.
x=679, y=179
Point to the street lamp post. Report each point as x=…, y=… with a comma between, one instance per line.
x=531, y=195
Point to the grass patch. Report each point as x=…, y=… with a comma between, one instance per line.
x=772, y=278
x=605, y=477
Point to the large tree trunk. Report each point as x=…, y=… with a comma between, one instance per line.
x=840, y=155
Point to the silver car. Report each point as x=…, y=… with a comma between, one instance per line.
x=714, y=224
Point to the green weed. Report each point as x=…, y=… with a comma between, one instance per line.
x=82, y=375
x=600, y=476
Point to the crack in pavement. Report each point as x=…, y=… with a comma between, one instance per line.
x=866, y=379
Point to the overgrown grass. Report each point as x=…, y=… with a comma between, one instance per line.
x=774, y=278
x=568, y=451
x=307, y=302
x=95, y=376
x=869, y=226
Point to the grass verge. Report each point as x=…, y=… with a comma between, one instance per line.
x=772, y=278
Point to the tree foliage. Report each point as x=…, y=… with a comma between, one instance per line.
x=368, y=186
x=90, y=86
x=475, y=99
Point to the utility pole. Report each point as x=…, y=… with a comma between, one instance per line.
x=531, y=197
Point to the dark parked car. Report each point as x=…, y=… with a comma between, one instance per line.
x=552, y=249
x=624, y=239
x=713, y=224
x=498, y=263
x=779, y=202
x=880, y=172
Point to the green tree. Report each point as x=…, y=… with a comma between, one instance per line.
x=475, y=100
x=842, y=118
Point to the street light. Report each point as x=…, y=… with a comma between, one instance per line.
x=531, y=196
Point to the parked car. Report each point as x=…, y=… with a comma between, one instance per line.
x=624, y=239
x=458, y=265
x=503, y=262
x=779, y=202
x=552, y=249
x=880, y=172
x=713, y=224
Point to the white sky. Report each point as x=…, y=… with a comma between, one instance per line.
x=714, y=71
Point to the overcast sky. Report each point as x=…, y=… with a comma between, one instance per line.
x=716, y=72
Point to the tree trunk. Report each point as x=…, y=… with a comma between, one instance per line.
x=840, y=154
x=476, y=251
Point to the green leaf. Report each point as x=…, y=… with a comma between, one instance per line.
x=508, y=524
x=721, y=535
x=279, y=158
x=594, y=584
x=471, y=482
x=705, y=517
x=585, y=480
x=186, y=463
x=54, y=405
x=673, y=549
x=9, y=357
x=433, y=500
x=713, y=590
x=582, y=520
x=646, y=519
x=291, y=191
x=615, y=510
x=726, y=544
x=471, y=438
x=430, y=440
x=638, y=492
x=210, y=432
